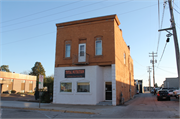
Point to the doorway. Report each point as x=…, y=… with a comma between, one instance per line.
x=108, y=90
x=82, y=53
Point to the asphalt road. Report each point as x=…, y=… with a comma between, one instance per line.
x=143, y=106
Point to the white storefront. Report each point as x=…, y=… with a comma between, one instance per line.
x=89, y=89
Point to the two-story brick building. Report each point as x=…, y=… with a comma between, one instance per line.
x=92, y=63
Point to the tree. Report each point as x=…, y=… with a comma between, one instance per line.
x=5, y=68
x=48, y=95
x=156, y=86
x=25, y=72
x=36, y=71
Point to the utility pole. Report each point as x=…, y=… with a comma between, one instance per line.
x=175, y=38
x=149, y=70
x=152, y=61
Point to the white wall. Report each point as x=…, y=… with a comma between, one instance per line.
x=74, y=97
x=96, y=75
x=113, y=68
x=100, y=84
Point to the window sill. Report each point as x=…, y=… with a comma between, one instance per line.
x=79, y=93
x=67, y=58
x=98, y=56
x=66, y=93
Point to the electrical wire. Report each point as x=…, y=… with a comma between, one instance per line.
x=176, y=11
x=162, y=53
x=137, y=9
x=52, y=32
x=158, y=15
x=53, y=14
x=165, y=70
x=30, y=38
x=66, y=17
x=41, y=12
x=176, y=5
x=159, y=36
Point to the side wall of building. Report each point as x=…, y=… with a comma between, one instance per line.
x=123, y=68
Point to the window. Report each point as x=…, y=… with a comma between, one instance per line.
x=66, y=87
x=81, y=50
x=98, y=47
x=67, y=50
x=124, y=58
x=30, y=81
x=23, y=81
x=83, y=87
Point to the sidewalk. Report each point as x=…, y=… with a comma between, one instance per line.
x=84, y=109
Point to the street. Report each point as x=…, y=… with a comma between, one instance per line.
x=142, y=106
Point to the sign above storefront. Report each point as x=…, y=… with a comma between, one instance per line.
x=79, y=73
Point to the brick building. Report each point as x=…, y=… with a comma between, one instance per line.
x=18, y=82
x=92, y=63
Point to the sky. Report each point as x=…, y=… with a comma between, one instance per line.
x=28, y=32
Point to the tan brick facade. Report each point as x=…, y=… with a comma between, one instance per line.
x=17, y=82
x=114, y=49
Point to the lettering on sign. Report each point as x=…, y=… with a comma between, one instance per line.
x=79, y=73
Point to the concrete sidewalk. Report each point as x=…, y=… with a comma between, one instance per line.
x=84, y=109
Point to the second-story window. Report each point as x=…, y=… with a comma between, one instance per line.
x=124, y=58
x=68, y=50
x=98, y=49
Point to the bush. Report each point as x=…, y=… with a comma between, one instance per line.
x=46, y=97
x=13, y=91
x=19, y=93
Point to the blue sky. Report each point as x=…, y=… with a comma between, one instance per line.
x=28, y=32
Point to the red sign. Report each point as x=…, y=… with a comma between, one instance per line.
x=79, y=73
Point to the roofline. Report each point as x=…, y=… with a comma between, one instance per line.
x=114, y=16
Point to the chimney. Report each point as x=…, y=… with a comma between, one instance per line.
x=129, y=47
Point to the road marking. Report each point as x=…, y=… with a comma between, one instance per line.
x=45, y=115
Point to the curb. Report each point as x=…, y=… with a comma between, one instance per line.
x=41, y=109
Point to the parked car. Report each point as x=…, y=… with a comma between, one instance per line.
x=163, y=94
x=137, y=92
x=176, y=93
x=171, y=93
x=152, y=91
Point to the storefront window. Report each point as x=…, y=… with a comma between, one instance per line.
x=83, y=87
x=66, y=87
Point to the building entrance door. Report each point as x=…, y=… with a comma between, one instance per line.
x=108, y=92
x=82, y=53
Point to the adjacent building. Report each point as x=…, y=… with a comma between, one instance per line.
x=171, y=83
x=139, y=85
x=92, y=62
x=18, y=82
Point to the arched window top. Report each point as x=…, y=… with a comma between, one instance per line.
x=98, y=37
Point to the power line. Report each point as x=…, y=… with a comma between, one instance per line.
x=165, y=70
x=138, y=63
x=159, y=36
x=158, y=15
x=176, y=11
x=29, y=38
x=53, y=14
x=74, y=15
x=162, y=53
x=68, y=16
x=137, y=9
x=40, y=12
x=176, y=5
